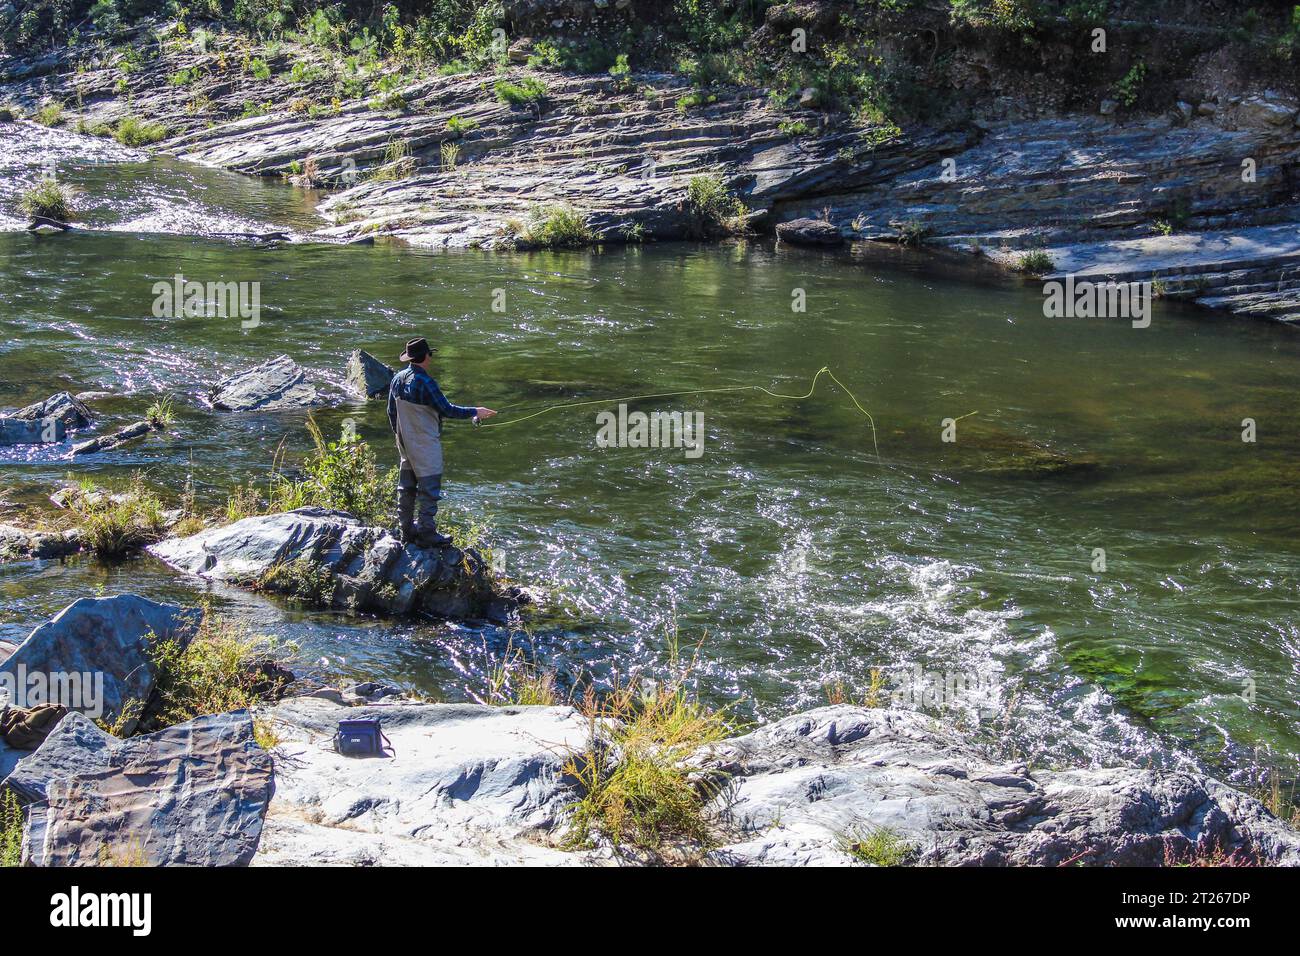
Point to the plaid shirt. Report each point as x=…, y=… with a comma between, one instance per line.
x=413, y=384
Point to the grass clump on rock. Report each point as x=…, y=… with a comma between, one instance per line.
x=638, y=790
x=136, y=132
x=527, y=92
x=1035, y=263
x=343, y=475
x=11, y=830
x=552, y=227
x=49, y=115
x=222, y=669
x=48, y=199
x=114, y=524
x=713, y=205
x=879, y=846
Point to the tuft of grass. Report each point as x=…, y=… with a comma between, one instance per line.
x=713, y=205
x=343, y=475
x=459, y=127
x=214, y=674
x=879, y=846
x=49, y=199
x=518, y=681
x=912, y=232
x=838, y=692
x=529, y=91
x=1035, y=262
x=11, y=830
x=50, y=114
x=301, y=578
x=136, y=132
x=398, y=163
x=647, y=798
x=161, y=414
x=114, y=524
x=450, y=153
x=553, y=227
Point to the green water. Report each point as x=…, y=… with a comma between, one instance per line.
x=788, y=549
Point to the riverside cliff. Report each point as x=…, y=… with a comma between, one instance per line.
x=1167, y=155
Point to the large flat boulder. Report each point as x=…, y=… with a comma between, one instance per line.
x=463, y=785
x=276, y=383
x=191, y=795
x=331, y=559
x=93, y=656
x=806, y=786
x=366, y=376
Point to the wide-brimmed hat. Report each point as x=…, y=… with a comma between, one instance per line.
x=417, y=350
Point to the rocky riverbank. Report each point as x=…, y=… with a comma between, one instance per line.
x=1198, y=197
x=478, y=784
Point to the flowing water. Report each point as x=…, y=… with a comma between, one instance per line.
x=788, y=549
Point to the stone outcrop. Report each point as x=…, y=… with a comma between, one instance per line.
x=275, y=384
x=19, y=544
x=100, y=639
x=464, y=785
x=191, y=795
x=809, y=232
x=331, y=559
x=105, y=442
x=367, y=377
x=621, y=153
x=63, y=407
x=805, y=787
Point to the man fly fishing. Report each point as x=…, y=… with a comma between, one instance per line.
x=416, y=409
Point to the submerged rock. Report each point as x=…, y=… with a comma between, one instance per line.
x=806, y=787
x=119, y=437
x=100, y=645
x=809, y=232
x=331, y=559
x=463, y=784
x=366, y=375
x=190, y=795
x=277, y=383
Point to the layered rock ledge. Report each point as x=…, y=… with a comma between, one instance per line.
x=331, y=559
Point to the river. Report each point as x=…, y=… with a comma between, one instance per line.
x=791, y=553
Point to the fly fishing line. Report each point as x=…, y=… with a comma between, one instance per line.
x=824, y=370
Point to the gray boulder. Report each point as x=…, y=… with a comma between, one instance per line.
x=331, y=559
x=803, y=788
x=1270, y=108
x=61, y=407
x=809, y=232
x=21, y=431
x=93, y=656
x=277, y=383
x=463, y=784
x=20, y=544
x=191, y=795
x=105, y=442
x=367, y=376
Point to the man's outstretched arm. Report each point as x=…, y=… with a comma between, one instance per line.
x=430, y=394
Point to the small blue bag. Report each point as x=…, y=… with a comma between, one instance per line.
x=362, y=737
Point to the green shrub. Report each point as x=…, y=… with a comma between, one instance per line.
x=527, y=92
x=11, y=829
x=1035, y=262
x=49, y=199
x=713, y=205
x=342, y=475
x=1129, y=88
x=553, y=227
x=134, y=132
x=114, y=524
x=49, y=115
x=459, y=127
x=879, y=846
x=260, y=69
